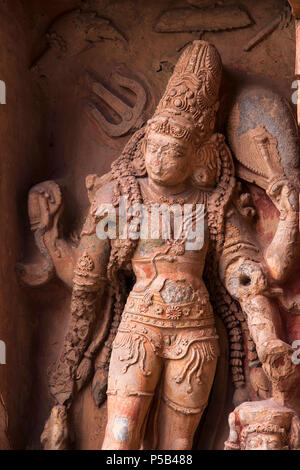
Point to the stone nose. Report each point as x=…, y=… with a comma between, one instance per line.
x=157, y=161
x=159, y=155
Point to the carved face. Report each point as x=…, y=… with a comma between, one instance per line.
x=264, y=441
x=169, y=161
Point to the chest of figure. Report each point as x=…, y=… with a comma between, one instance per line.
x=166, y=239
x=158, y=260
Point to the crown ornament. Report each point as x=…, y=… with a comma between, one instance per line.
x=188, y=107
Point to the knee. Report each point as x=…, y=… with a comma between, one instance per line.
x=120, y=429
x=120, y=434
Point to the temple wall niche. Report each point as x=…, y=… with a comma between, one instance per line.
x=62, y=61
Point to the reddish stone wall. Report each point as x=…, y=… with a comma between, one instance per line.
x=47, y=132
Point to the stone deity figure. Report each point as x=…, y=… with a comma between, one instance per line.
x=160, y=355
x=263, y=425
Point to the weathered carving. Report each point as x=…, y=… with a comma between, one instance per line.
x=254, y=279
x=281, y=20
x=163, y=332
x=129, y=117
x=263, y=425
x=216, y=18
x=73, y=33
x=258, y=113
x=45, y=208
x=55, y=435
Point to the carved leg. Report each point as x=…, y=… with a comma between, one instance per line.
x=176, y=430
x=186, y=387
x=134, y=372
x=126, y=417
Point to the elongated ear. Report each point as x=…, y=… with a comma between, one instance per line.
x=208, y=154
x=207, y=164
x=295, y=434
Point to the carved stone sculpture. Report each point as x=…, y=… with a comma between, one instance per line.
x=154, y=351
x=79, y=82
x=263, y=425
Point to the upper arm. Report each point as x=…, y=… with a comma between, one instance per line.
x=93, y=252
x=240, y=262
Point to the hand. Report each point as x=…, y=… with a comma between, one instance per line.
x=283, y=196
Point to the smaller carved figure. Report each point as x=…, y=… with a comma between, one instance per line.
x=263, y=425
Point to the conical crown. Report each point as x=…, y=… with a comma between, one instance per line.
x=189, y=104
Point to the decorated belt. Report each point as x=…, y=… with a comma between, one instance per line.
x=167, y=323
x=151, y=308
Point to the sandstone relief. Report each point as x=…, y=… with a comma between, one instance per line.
x=213, y=18
x=157, y=260
x=166, y=321
x=73, y=33
x=122, y=117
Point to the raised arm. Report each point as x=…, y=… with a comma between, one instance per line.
x=281, y=251
x=244, y=275
x=242, y=272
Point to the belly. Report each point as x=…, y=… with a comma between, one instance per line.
x=169, y=292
